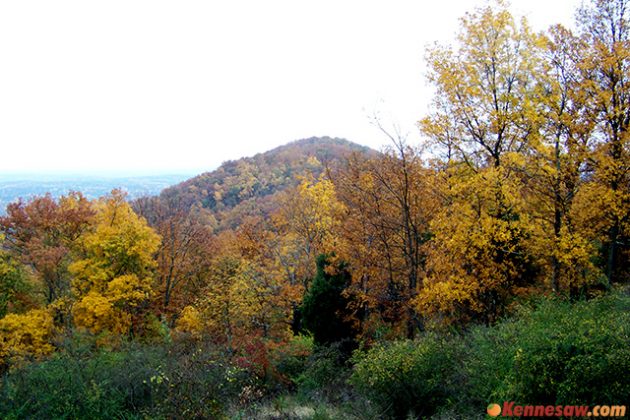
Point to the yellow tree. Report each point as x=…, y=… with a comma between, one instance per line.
x=483, y=89
x=309, y=216
x=26, y=336
x=234, y=303
x=113, y=278
x=605, y=28
x=232, y=300
x=305, y=226
x=247, y=290
x=476, y=261
x=486, y=115
x=269, y=264
x=369, y=237
x=553, y=167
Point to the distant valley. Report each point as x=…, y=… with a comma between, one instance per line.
x=15, y=186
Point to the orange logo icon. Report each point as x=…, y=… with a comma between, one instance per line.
x=494, y=410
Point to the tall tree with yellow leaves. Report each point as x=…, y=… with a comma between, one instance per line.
x=486, y=115
x=483, y=107
x=308, y=218
x=113, y=278
x=305, y=226
x=605, y=64
x=553, y=166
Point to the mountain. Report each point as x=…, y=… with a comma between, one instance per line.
x=237, y=188
x=15, y=186
x=249, y=185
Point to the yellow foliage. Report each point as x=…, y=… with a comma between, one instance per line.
x=111, y=311
x=114, y=278
x=307, y=225
x=233, y=299
x=98, y=314
x=483, y=102
x=479, y=253
x=190, y=321
x=24, y=336
x=129, y=290
x=119, y=243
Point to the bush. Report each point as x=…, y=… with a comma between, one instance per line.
x=198, y=381
x=408, y=377
x=325, y=369
x=552, y=352
x=487, y=366
x=574, y=353
x=134, y=381
x=104, y=385
x=289, y=360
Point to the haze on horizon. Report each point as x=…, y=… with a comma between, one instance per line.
x=173, y=87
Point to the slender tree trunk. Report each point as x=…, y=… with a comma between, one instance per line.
x=557, y=221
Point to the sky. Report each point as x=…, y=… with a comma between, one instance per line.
x=158, y=86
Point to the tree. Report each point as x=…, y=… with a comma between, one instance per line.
x=183, y=261
x=305, y=225
x=324, y=310
x=390, y=201
x=113, y=278
x=268, y=257
x=42, y=233
x=246, y=292
x=486, y=117
x=476, y=261
x=184, y=256
x=308, y=218
x=233, y=300
x=483, y=89
x=553, y=167
x=14, y=287
x=605, y=64
x=26, y=336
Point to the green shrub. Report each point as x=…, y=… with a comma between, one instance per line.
x=135, y=381
x=408, y=377
x=105, y=385
x=199, y=381
x=574, y=353
x=552, y=352
x=326, y=368
x=289, y=360
x=487, y=365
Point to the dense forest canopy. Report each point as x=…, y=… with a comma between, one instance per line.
x=520, y=190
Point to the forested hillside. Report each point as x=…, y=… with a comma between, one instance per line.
x=488, y=264
x=250, y=185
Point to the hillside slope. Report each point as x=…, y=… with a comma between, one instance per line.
x=248, y=185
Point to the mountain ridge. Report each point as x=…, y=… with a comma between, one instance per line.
x=243, y=186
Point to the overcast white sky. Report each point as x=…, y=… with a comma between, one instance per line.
x=164, y=86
